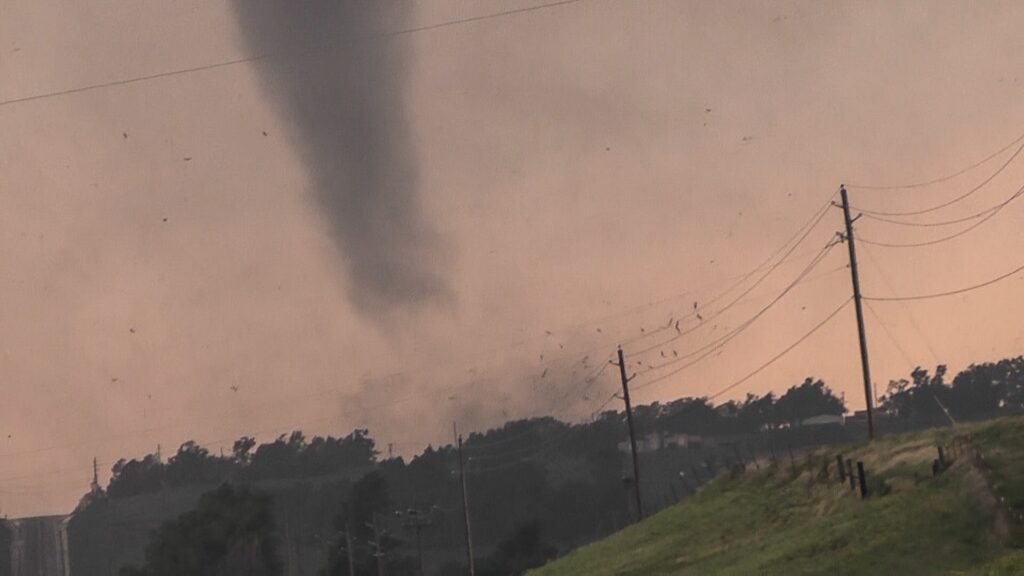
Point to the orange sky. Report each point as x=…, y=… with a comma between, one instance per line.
x=572, y=171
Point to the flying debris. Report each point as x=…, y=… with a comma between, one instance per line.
x=699, y=317
x=544, y=373
x=599, y=330
x=560, y=347
x=677, y=327
x=663, y=354
x=641, y=329
x=695, y=305
x=234, y=388
x=674, y=353
x=547, y=332
x=131, y=330
x=264, y=132
x=670, y=319
x=187, y=158
x=541, y=357
x=125, y=134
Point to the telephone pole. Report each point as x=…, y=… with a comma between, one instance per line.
x=632, y=436
x=465, y=511
x=865, y=366
x=350, y=552
x=379, y=552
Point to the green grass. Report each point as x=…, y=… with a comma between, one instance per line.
x=772, y=522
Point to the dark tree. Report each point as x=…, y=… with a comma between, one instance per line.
x=811, y=398
x=522, y=550
x=228, y=534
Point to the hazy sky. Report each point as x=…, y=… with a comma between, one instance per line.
x=599, y=165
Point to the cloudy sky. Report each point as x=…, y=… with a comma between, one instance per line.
x=390, y=230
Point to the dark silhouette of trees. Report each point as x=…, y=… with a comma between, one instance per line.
x=811, y=398
x=918, y=401
x=368, y=500
x=230, y=533
x=520, y=551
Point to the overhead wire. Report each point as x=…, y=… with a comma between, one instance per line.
x=885, y=328
x=788, y=349
x=867, y=250
x=940, y=179
x=991, y=213
x=802, y=235
x=947, y=293
x=959, y=198
x=715, y=346
x=271, y=55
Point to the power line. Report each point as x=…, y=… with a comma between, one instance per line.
x=950, y=202
x=941, y=178
x=991, y=213
x=889, y=333
x=783, y=353
x=906, y=308
x=267, y=56
x=941, y=222
x=803, y=233
x=715, y=346
x=949, y=293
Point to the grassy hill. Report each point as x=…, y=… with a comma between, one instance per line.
x=786, y=519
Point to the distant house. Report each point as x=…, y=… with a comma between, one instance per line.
x=658, y=441
x=859, y=417
x=824, y=420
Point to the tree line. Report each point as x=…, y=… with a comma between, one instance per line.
x=542, y=486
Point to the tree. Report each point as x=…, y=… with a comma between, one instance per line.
x=757, y=413
x=520, y=551
x=917, y=401
x=989, y=388
x=228, y=534
x=355, y=536
x=242, y=448
x=811, y=398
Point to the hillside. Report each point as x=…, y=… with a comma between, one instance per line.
x=786, y=519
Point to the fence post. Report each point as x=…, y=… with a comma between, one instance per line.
x=942, y=456
x=863, y=480
x=842, y=470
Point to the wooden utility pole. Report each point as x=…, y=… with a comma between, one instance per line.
x=865, y=366
x=376, y=545
x=416, y=519
x=632, y=436
x=465, y=512
x=348, y=549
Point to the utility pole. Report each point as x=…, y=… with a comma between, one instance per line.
x=632, y=435
x=865, y=366
x=416, y=519
x=350, y=552
x=465, y=510
x=379, y=552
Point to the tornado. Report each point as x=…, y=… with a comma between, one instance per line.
x=338, y=72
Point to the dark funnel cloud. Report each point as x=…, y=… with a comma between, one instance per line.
x=340, y=80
